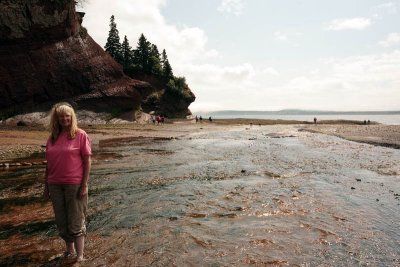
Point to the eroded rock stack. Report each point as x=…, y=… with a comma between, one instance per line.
x=47, y=56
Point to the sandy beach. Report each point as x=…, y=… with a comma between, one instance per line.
x=206, y=183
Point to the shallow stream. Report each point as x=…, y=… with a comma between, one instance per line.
x=250, y=196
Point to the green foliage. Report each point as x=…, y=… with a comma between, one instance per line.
x=175, y=87
x=145, y=59
x=153, y=98
x=141, y=55
x=167, y=73
x=171, y=85
x=113, y=46
x=180, y=82
x=154, y=61
x=127, y=54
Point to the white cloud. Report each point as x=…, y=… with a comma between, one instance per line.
x=315, y=72
x=211, y=75
x=391, y=40
x=365, y=82
x=279, y=36
x=389, y=7
x=231, y=6
x=219, y=87
x=270, y=71
x=351, y=83
x=349, y=24
x=183, y=45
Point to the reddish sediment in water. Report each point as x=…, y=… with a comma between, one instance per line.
x=269, y=195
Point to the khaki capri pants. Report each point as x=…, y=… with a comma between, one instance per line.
x=69, y=210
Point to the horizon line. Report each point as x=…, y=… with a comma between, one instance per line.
x=297, y=110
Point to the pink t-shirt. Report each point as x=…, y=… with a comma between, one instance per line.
x=65, y=158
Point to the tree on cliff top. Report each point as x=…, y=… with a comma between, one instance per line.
x=145, y=59
x=166, y=67
x=154, y=61
x=126, y=52
x=113, y=46
x=141, y=55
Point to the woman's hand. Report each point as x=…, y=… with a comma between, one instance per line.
x=83, y=191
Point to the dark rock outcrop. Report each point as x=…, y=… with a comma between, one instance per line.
x=46, y=56
x=163, y=101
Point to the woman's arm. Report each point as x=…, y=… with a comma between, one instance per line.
x=87, y=164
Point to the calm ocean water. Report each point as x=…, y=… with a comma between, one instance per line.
x=385, y=119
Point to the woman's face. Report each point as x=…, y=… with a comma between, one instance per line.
x=64, y=119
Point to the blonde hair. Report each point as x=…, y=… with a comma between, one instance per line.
x=55, y=127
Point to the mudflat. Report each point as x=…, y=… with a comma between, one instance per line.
x=20, y=142
x=222, y=193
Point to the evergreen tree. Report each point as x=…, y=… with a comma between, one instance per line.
x=126, y=52
x=154, y=61
x=113, y=46
x=167, y=73
x=163, y=57
x=141, y=55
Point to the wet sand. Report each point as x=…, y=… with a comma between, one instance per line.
x=179, y=194
x=17, y=143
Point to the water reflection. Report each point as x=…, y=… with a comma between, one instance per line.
x=244, y=197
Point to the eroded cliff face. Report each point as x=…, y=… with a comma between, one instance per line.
x=46, y=56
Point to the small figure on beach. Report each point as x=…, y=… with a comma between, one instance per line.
x=68, y=155
x=197, y=119
x=153, y=119
x=162, y=118
x=210, y=119
x=368, y=122
x=315, y=120
x=201, y=118
x=365, y=122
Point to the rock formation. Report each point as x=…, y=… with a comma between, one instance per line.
x=47, y=56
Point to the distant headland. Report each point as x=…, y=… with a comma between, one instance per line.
x=299, y=112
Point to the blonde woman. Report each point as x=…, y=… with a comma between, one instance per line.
x=68, y=152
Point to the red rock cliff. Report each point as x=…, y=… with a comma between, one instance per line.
x=46, y=56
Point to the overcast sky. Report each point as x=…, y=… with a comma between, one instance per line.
x=269, y=54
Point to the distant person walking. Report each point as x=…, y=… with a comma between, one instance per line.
x=210, y=119
x=197, y=119
x=68, y=155
x=315, y=120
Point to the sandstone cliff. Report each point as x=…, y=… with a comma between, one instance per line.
x=46, y=56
